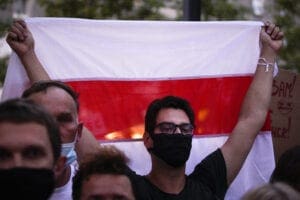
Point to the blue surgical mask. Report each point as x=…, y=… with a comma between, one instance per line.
x=68, y=150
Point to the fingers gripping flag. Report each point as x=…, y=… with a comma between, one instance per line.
x=119, y=67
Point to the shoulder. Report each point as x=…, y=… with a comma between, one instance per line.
x=211, y=172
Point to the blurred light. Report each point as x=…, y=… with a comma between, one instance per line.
x=199, y=130
x=202, y=114
x=258, y=7
x=114, y=135
x=136, y=132
x=133, y=132
x=136, y=135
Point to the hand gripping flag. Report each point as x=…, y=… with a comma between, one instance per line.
x=119, y=67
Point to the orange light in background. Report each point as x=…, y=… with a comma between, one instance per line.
x=136, y=135
x=114, y=135
x=202, y=114
x=133, y=132
x=136, y=132
x=199, y=130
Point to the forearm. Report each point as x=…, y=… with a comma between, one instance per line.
x=258, y=97
x=33, y=67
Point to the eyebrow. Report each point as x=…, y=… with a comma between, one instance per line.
x=36, y=146
x=65, y=115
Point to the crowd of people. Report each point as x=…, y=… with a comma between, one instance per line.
x=47, y=153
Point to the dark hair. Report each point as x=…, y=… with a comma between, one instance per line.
x=109, y=160
x=288, y=168
x=23, y=111
x=42, y=86
x=166, y=102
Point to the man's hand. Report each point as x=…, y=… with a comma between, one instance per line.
x=20, y=38
x=271, y=38
x=21, y=41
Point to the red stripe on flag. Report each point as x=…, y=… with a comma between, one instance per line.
x=116, y=109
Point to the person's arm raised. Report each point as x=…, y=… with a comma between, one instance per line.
x=21, y=41
x=255, y=105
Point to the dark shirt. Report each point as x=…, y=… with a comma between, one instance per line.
x=207, y=181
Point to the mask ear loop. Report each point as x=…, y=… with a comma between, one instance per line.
x=78, y=128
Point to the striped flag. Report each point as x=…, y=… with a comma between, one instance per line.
x=119, y=67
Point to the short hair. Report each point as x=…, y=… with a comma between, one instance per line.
x=276, y=191
x=42, y=86
x=288, y=168
x=166, y=102
x=109, y=160
x=21, y=111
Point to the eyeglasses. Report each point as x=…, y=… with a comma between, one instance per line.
x=170, y=128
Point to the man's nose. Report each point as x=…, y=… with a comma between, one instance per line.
x=17, y=161
x=177, y=130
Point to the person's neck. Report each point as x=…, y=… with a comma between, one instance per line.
x=63, y=178
x=167, y=178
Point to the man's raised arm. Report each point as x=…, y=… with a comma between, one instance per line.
x=255, y=105
x=21, y=41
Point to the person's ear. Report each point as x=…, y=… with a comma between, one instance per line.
x=148, y=142
x=79, y=130
x=59, y=166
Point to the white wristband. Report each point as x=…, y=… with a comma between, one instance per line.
x=263, y=62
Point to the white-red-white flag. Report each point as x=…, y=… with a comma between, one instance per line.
x=119, y=67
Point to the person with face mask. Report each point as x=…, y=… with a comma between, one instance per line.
x=169, y=127
x=30, y=148
x=62, y=103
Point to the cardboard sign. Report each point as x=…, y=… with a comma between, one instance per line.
x=285, y=111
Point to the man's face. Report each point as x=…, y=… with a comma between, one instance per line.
x=171, y=141
x=107, y=187
x=62, y=106
x=25, y=145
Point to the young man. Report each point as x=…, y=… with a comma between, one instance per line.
x=169, y=125
x=29, y=151
x=104, y=177
x=62, y=103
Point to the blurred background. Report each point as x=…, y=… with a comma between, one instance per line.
x=284, y=13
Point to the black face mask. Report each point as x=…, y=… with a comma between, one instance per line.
x=174, y=149
x=26, y=183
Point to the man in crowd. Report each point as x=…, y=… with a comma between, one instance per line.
x=104, y=176
x=62, y=103
x=29, y=151
x=169, y=126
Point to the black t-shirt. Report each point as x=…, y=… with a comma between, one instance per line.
x=207, y=181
